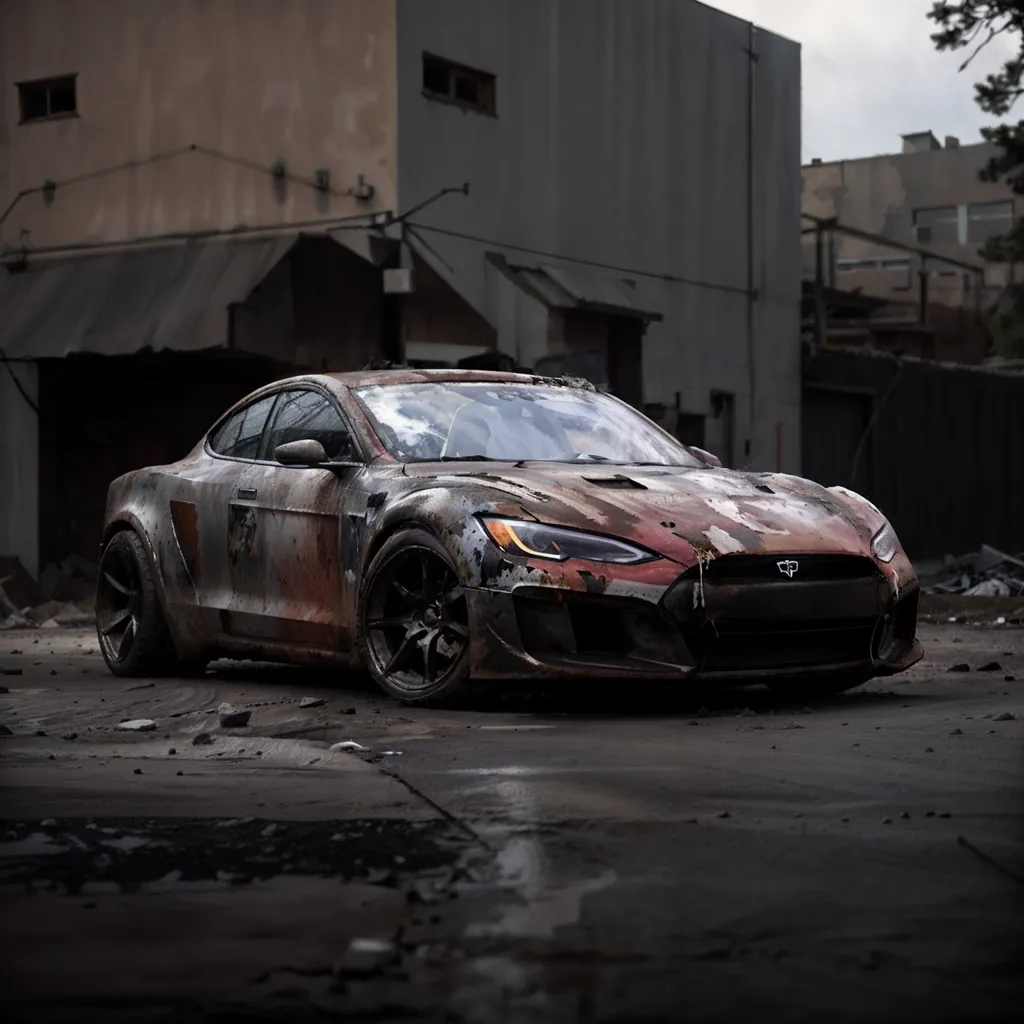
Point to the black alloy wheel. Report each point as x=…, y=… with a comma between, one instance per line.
x=129, y=621
x=413, y=623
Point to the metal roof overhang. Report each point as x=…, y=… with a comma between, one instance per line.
x=578, y=287
x=171, y=297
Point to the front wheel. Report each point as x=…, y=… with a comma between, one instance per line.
x=413, y=627
x=130, y=624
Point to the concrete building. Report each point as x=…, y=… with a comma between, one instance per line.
x=197, y=197
x=928, y=196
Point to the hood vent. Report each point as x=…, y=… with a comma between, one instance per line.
x=618, y=481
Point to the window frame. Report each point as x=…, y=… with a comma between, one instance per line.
x=359, y=457
x=266, y=456
x=485, y=81
x=48, y=84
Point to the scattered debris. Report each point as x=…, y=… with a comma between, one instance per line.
x=232, y=718
x=991, y=666
x=1006, y=716
x=747, y=713
x=960, y=667
x=5, y=731
x=350, y=711
x=10, y=671
x=989, y=573
x=137, y=725
x=366, y=957
x=138, y=771
x=203, y=739
x=390, y=753
x=957, y=732
x=312, y=702
x=348, y=745
x=887, y=821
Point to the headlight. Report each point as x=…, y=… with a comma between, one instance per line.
x=520, y=537
x=884, y=544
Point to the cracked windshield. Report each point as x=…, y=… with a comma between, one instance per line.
x=513, y=423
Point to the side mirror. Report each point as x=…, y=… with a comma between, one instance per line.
x=300, y=453
x=706, y=457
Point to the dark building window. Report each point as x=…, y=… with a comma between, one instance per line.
x=938, y=224
x=987, y=220
x=49, y=97
x=455, y=83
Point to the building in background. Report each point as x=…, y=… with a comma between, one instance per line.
x=930, y=199
x=241, y=190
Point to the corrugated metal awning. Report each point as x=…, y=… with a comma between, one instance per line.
x=578, y=287
x=168, y=297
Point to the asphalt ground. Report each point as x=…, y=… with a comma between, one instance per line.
x=560, y=854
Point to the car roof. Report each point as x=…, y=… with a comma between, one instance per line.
x=406, y=375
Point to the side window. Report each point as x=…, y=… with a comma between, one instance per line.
x=308, y=415
x=239, y=435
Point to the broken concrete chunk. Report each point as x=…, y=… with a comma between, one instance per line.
x=49, y=624
x=5, y=731
x=137, y=725
x=204, y=739
x=366, y=957
x=232, y=718
x=1004, y=717
x=312, y=702
x=10, y=671
x=991, y=666
x=960, y=667
x=348, y=745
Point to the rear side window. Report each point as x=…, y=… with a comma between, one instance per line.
x=239, y=435
x=309, y=416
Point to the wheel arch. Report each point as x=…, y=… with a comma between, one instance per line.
x=127, y=521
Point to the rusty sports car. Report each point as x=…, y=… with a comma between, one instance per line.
x=445, y=527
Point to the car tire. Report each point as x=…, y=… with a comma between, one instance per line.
x=130, y=625
x=412, y=626
x=822, y=687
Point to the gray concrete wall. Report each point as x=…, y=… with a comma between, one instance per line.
x=304, y=81
x=621, y=136
x=19, y=465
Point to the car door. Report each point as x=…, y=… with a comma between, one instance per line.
x=201, y=512
x=288, y=528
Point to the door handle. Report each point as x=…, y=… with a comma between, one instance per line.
x=247, y=492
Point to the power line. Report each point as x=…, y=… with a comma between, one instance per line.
x=17, y=383
x=631, y=271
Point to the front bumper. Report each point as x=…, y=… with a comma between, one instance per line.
x=726, y=622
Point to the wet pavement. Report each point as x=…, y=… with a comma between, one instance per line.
x=559, y=855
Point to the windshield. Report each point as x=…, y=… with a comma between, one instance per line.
x=513, y=423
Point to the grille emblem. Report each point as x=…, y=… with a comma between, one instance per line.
x=788, y=567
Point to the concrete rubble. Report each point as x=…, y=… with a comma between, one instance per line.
x=988, y=573
x=63, y=596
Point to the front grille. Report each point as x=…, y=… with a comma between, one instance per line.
x=762, y=568
x=780, y=650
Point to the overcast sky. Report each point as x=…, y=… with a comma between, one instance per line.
x=871, y=73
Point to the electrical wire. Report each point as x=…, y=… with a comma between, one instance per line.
x=17, y=383
x=631, y=271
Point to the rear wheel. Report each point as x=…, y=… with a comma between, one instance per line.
x=413, y=621
x=130, y=623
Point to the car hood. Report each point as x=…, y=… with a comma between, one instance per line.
x=676, y=511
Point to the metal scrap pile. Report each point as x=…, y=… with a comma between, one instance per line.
x=64, y=595
x=989, y=573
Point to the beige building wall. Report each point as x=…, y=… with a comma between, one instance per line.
x=311, y=83
x=892, y=195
